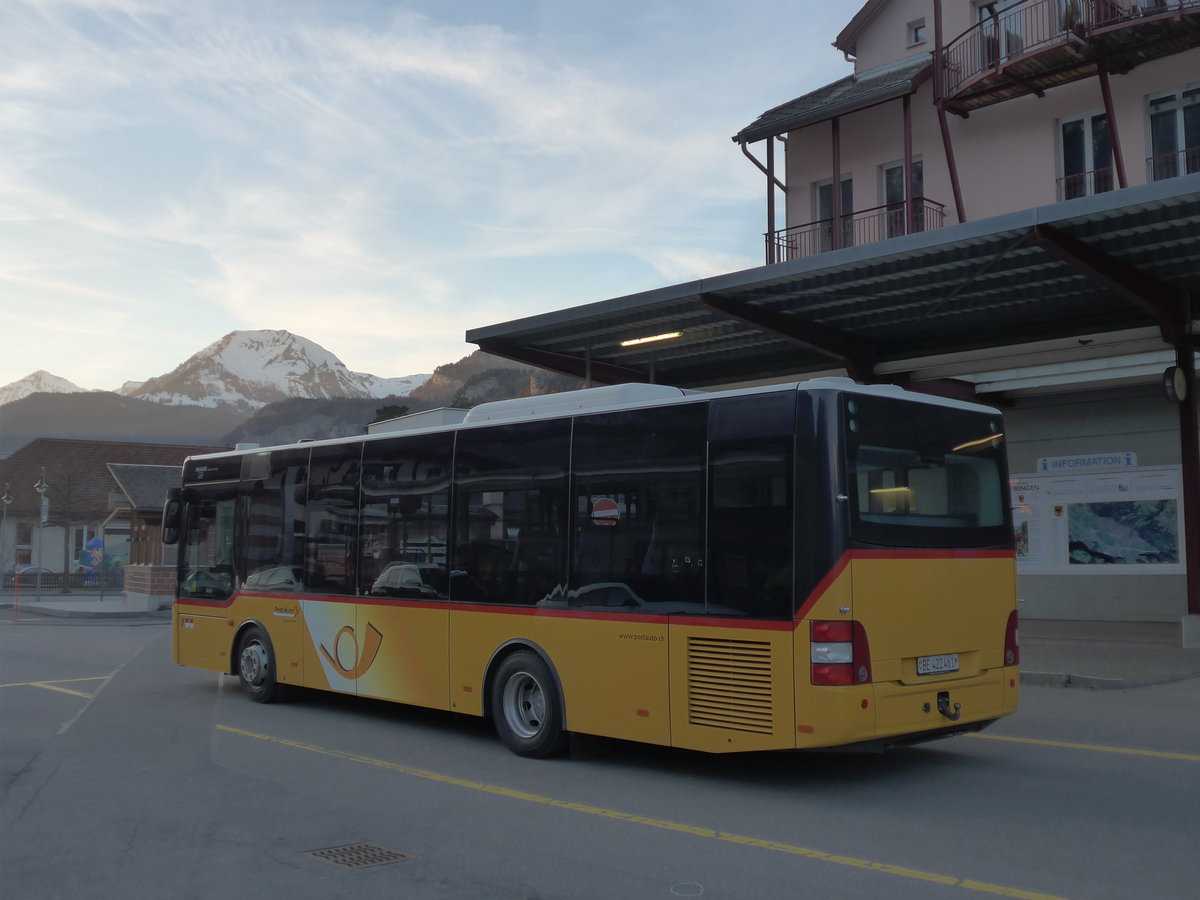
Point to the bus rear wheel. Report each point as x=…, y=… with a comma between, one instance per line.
x=526, y=707
x=256, y=666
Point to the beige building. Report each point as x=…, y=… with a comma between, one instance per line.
x=1020, y=104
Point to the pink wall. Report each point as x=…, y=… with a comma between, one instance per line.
x=1007, y=154
x=886, y=38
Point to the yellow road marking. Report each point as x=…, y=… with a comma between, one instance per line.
x=1095, y=748
x=53, y=685
x=61, y=690
x=698, y=831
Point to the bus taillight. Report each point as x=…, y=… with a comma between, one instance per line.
x=1012, y=649
x=839, y=653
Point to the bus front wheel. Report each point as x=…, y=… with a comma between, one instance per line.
x=526, y=707
x=256, y=666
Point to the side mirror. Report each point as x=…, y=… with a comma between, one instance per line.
x=172, y=516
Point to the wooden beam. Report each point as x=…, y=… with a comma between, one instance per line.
x=854, y=351
x=579, y=367
x=1162, y=301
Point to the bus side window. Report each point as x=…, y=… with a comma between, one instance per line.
x=332, y=511
x=751, y=520
x=638, y=539
x=511, y=512
x=750, y=529
x=273, y=551
x=405, y=517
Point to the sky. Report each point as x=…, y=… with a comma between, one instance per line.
x=377, y=177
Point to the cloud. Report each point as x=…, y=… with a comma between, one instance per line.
x=355, y=170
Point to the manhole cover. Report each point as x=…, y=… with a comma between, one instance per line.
x=358, y=856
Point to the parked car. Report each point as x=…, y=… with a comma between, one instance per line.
x=276, y=578
x=409, y=580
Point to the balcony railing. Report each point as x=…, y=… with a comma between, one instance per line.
x=1084, y=184
x=866, y=226
x=1171, y=165
x=1040, y=43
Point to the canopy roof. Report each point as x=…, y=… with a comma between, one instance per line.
x=1118, y=263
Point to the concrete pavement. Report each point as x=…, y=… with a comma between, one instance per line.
x=1056, y=653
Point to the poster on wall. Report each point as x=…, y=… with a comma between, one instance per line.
x=1098, y=519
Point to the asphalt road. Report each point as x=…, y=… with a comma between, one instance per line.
x=124, y=775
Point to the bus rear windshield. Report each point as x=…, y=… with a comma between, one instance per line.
x=925, y=476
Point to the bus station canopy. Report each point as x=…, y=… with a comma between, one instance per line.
x=1116, y=269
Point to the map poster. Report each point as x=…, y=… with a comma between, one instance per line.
x=1126, y=521
x=1137, y=532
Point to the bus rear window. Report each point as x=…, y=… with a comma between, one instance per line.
x=925, y=475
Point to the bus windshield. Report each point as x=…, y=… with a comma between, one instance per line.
x=921, y=475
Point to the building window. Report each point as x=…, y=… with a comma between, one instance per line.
x=823, y=200
x=916, y=32
x=1174, y=121
x=1001, y=30
x=1086, y=161
x=894, y=198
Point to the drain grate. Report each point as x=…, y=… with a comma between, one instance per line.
x=358, y=856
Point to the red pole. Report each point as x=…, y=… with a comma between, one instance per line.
x=1189, y=444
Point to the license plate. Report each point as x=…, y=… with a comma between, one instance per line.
x=935, y=665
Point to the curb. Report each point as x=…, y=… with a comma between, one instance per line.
x=53, y=612
x=1057, y=679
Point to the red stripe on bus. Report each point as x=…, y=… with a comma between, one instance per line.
x=822, y=586
x=507, y=610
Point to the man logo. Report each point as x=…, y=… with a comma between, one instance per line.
x=359, y=665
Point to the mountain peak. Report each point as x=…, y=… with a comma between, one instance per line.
x=249, y=369
x=39, y=382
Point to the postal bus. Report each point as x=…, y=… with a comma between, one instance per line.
x=817, y=565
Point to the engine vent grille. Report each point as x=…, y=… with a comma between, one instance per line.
x=729, y=685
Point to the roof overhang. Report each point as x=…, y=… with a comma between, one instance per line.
x=1068, y=275
x=847, y=95
x=847, y=39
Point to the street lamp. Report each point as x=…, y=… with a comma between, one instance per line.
x=6, y=499
x=44, y=513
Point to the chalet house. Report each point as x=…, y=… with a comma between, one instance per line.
x=961, y=110
x=97, y=495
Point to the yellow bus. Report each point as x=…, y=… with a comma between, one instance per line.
x=816, y=565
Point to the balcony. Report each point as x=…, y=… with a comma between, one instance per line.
x=867, y=226
x=1172, y=165
x=1084, y=184
x=1040, y=44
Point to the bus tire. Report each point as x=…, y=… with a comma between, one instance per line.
x=526, y=706
x=256, y=666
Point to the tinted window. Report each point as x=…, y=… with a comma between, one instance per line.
x=511, y=512
x=639, y=511
x=750, y=528
x=206, y=571
x=275, y=519
x=331, y=536
x=925, y=475
x=406, y=517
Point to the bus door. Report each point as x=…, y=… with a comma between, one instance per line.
x=271, y=547
x=206, y=578
x=398, y=646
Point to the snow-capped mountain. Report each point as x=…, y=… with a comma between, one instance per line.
x=249, y=369
x=40, y=381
